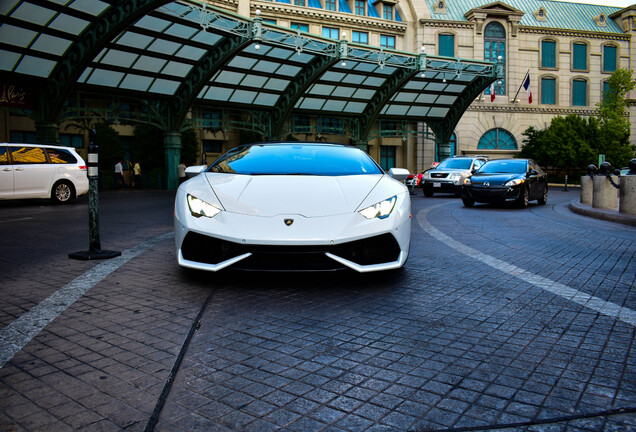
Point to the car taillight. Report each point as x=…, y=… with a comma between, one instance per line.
x=82, y=167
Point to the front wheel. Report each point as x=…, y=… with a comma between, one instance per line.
x=62, y=192
x=544, y=196
x=524, y=197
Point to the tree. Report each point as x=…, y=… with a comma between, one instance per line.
x=614, y=124
x=565, y=145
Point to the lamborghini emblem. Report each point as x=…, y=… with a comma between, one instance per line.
x=288, y=222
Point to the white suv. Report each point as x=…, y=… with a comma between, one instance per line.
x=449, y=175
x=41, y=171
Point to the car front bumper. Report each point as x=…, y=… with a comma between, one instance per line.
x=443, y=186
x=492, y=195
x=233, y=240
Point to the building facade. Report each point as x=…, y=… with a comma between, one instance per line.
x=556, y=57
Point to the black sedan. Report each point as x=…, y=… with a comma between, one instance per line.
x=506, y=180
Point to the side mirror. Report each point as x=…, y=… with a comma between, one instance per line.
x=533, y=172
x=400, y=174
x=194, y=170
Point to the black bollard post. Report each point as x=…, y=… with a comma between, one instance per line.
x=94, y=245
x=566, y=183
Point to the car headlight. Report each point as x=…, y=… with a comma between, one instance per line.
x=454, y=176
x=380, y=210
x=200, y=208
x=426, y=175
x=514, y=182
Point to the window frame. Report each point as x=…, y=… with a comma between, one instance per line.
x=331, y=30
x=616, y=57
x=360, y=4
x=386, y=38
x=579, y=79
x=542, y=51
x=439, y=43
x=387, y=11
x=501, y=83
x=573, y=66
x=541, y=89
x=386, y=159
x=298, y=26
x=355, y=33
x=497, y=131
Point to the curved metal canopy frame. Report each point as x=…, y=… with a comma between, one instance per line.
x=182, y=54
x=108, y=25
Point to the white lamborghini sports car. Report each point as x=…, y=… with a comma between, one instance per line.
x=293, y=206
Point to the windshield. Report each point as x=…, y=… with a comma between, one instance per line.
x=452, y=163
x=504, y=167
x=296, y=159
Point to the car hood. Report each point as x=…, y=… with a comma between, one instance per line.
x=309, y=196
x=493, y=180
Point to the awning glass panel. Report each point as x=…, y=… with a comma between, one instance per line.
x=35, y=66
x=51, y=44
x=69, y=24
x=92, y=7
x=150, y=64
x=16, y=36
x=164, y=86
x=177, y=69
x=136, y=82
x=33, y=13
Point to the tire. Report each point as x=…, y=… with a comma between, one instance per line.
x=544, y=196
x=524, y=197
x=468, y=202
x=427, y=192
x=62, y=192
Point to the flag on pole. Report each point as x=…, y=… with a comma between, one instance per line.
x=492, y=91
x=526, y=85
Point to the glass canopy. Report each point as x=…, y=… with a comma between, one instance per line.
x=189, y=53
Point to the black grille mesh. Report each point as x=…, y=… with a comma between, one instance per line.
x=210, y=250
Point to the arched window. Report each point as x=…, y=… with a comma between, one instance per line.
x=495, y=47
x=497, y=139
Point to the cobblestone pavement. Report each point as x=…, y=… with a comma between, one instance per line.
x=503, y=319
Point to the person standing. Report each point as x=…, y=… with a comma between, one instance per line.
x=182, y=172
x=137, y=175
x=119, y=175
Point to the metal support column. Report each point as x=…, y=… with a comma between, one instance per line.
x=46, y=132
x=172, y=148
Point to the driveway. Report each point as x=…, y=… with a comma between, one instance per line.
x=502, y=319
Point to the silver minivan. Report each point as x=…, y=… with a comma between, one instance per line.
x=41, y=171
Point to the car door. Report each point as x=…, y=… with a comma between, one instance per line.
x=534, y=180
x=6, y=174
x=32, y=173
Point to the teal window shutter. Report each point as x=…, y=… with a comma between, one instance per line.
x=447, y=45
x=548, y=91
x=548, y=54
x=609, y=58
x=579, y=92
x=579, y=56
x=606, y=88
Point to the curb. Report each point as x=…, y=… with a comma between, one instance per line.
x=604, y=214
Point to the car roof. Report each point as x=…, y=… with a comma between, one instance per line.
x=39, y=145
x=268, y=143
